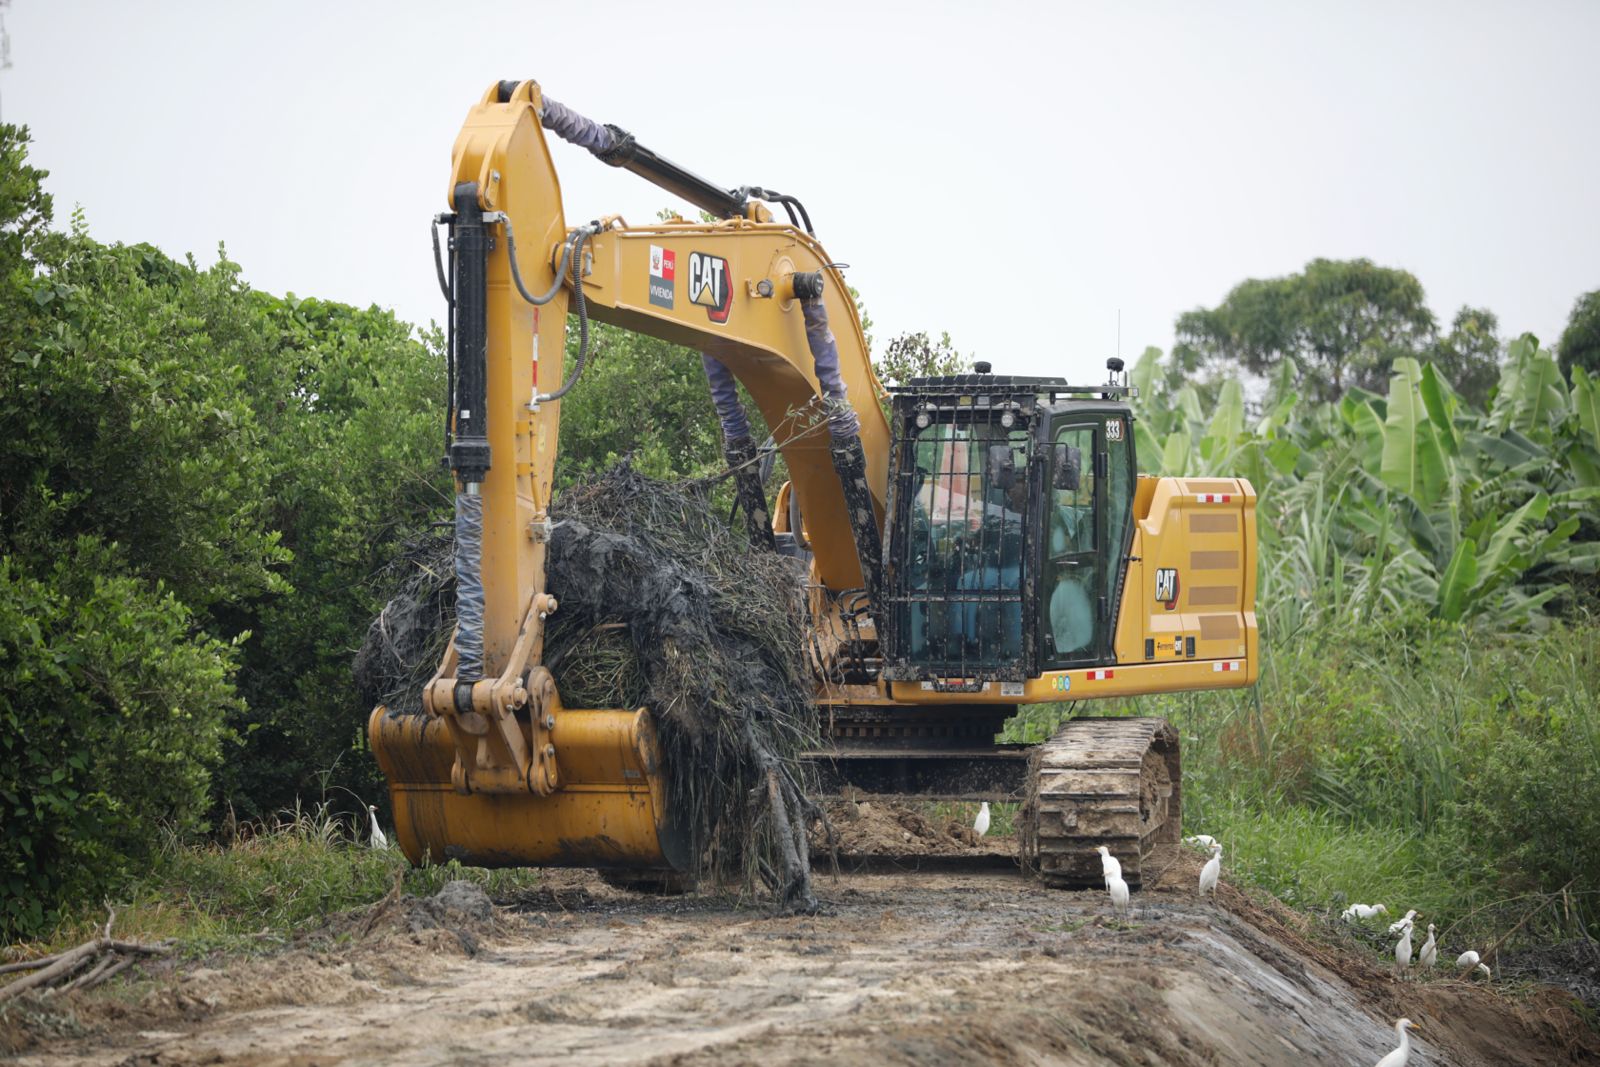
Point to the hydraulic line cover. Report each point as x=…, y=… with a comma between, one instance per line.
x=843, y=423
x=469, y=586
x=725, y=395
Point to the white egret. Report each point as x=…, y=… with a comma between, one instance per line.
x=1402, y=949
x=1430, y=951
x=1403, y=924
x=378, y=840
x=1402, y=1055
x=1109, y=864
x=1468, y=961
x=1203, y=840
x=1363, y=911
x=980, y=825
x=1211, y=871
x=1119, y=892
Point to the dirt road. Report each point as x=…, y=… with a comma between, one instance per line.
x=901, y=969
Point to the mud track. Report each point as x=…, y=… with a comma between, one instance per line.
x=924, y=968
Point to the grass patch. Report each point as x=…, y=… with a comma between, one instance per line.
x=1406, y=762
x=277, y=880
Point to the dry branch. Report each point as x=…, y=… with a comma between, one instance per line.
x=29, y=965
x=60, y=972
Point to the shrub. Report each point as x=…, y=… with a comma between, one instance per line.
x=111, y=714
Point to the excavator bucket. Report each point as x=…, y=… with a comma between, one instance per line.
x=610, y=811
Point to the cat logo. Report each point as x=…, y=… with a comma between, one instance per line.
x=1167, y=587
x=710, y=285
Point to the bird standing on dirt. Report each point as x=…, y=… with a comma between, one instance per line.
x=1402, y=1055
x=1430, y=950
x=1468, y=961
x=1110, y=866
x=1211, y=871
x=1402, y=948
x=377, y=838
x=1119, y=892
x=1363, y=912
x=1403, y=924
x=980, y=825
x=1203, y=840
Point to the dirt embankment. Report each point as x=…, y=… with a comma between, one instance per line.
x=899, y=968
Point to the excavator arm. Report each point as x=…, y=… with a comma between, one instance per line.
x=763, y=299
x=1160, y=598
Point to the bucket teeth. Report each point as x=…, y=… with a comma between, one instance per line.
x=1112, y=782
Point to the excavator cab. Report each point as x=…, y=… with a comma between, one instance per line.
x=1010, y=501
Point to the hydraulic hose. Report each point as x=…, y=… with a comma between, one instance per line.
x=580, y=238
x=449, y=331
x=438, y=262
x=571, y=259
x=516, y=272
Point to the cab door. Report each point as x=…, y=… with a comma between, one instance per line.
x=1074, y=619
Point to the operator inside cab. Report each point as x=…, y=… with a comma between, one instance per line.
x=969, y=507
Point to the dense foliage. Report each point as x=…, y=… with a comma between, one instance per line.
x=1427, y=725
x=199, y=481
x=1580, y=341
x=1412, y=497
x=1404, y=759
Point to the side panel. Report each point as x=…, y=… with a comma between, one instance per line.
x=1191, y=593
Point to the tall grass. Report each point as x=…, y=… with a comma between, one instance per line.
x=278, y=879
x=1403, y=761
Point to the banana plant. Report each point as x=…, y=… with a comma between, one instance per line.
x=1416, y=496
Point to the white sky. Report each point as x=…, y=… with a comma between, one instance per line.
x=1016, y=174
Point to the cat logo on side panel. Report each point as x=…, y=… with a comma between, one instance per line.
x=1167, y=587
x=710, y=285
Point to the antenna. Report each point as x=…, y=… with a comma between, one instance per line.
x=1119, y=333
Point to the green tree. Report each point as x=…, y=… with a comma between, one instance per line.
x=1339, y=324
x=644, y=398
x=1469, y=355
x=1580, y=341
x=355, y=455
x=201, y=483
x=918, y=355
x=131, y=508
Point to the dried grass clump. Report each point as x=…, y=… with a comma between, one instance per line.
x=664, y=606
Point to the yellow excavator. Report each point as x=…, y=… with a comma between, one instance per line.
x=987, y=544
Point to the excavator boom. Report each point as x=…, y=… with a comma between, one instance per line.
x=984, y=543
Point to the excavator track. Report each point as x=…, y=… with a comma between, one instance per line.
x=1100, y=781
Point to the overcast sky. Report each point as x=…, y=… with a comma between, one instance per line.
x=1016, y=174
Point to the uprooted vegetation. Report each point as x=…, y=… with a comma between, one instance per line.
x=662, y=606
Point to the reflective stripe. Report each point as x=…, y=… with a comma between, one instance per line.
x=1099, y=676
x=1226, y=665
x=1213, y=498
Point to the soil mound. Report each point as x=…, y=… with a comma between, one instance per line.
x=455, y=919
x=867, y=825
